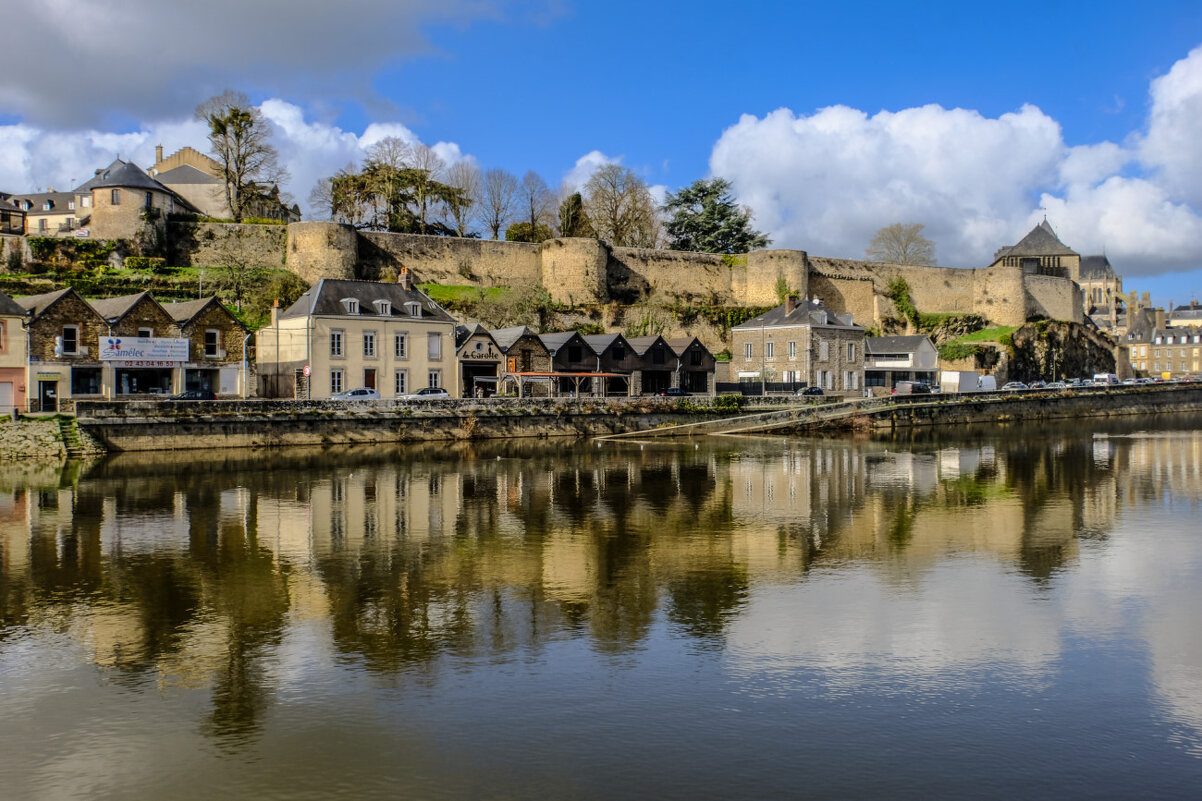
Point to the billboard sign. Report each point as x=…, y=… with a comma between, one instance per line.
x=143, y=349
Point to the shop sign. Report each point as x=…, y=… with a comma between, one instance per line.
x=48, y=376
x=125, y=364
x=141, y=349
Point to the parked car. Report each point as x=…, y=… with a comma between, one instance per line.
x=1037, y=385
x=362, y=393
x=1013, y=386
x=1059, y=385
x=809, y=391
x=195, y=394
x=428, y=393
x=911, y=388
x=672, y=392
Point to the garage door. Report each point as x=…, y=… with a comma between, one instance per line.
x=6, y=397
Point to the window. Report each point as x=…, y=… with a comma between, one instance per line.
x=398, y=346
x=400, y=382
x=86, y=201
x=149, y=200
x=851, y=352
x=42, y=225
x=70, y=340
x=618, y=352
x=145, y=333
x=47, y=206
x=212, y=342
x=115, y=197
x=369, y=344
x=792, y=350
x=383, y=307
x=434, y=348
x=414, y=309
x=824, y=350
x=435, y=378
x=575, y=353
x=336, y=344
x=351, y=305
x=3, y=337
x=696, y=357
x=85, y=380
x=769, y=350
x=747, y=351
x=657, y=356
x=335, y=381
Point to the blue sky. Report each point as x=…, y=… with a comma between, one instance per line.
x=831, y=119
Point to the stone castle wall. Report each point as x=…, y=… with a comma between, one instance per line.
x=209, y=244
x=585, y=271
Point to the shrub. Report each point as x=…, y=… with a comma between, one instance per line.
x=155, y=264
x=728, y=403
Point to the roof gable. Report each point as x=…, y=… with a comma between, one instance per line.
x=1041, y=241
x=8, y=306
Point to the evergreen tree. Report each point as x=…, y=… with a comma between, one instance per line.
x=704, y=217
x=573, y=220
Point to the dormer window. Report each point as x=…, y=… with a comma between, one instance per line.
x=48, y=205
x=351, y=305
x=414, y=309
x=71, y=205
x=383, y=307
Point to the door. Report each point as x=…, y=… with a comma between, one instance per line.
x=47, y=396
x=369, y=378
x=6, y=397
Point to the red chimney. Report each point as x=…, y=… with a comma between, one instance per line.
x=403, y=279
x=791, y=303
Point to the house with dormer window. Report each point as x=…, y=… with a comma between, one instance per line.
x=343, y=334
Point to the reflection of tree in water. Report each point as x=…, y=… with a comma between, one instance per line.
x=705, y=600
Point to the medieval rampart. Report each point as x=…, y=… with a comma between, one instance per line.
x=585, y=271
x=216, y=244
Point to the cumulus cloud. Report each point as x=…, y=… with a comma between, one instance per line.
x=160, y=59
x=575, y=178
x=825, y=182
x=38, y=159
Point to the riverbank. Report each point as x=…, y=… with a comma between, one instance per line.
x=44, y=438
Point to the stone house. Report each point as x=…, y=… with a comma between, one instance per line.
x=526, y=369
x=197, y=178
x=121, y=200
x=695, y=364
x=479, y=360
x=800, y=342
x=64, y=337
x=12, y=215
x=1186, y=315
x=345, y=334
x=659, y=366
x=1168, y=352
x=13, y=356
x=888, y=360
x=217, y=359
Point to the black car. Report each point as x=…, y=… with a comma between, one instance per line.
x=672, y=392
x=811, y=391
x=195, y=394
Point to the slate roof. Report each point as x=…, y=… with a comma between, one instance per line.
x=601, y=342
x=186, y=174
x=1042, y=241
x=184, y=313
x=1096, y=267
x=1187, y=313
x=122, y=174
x=10, y=306
x=643, y=344
x=553, y=342
x=468, y=330
x=116, y=308
x=325, y=298
x=811, y=313
x=60, y=201
x=506, y=338
x=39, y=303
x=910, y=344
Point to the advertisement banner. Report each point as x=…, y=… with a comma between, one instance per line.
x=139, y=349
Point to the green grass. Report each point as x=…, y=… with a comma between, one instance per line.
x=934, y=319
x=451, y=293
x=988, y=334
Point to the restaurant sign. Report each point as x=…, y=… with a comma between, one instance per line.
x=143, y=349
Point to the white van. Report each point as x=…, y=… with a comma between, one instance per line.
x=1105, y=380
x=987, y=383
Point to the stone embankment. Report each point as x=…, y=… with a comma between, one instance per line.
x=54, y=437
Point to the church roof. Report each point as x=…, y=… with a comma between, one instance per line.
x=1096, y=267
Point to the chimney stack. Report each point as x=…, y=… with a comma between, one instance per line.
x=790, y=304
x=1159, y=314
x=158, y=154
x=403, y=279
x=275, y=314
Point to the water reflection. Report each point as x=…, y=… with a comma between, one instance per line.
x=781, y=555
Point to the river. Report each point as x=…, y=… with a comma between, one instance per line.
x=988, y=613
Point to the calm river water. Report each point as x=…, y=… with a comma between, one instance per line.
x=1004, y=613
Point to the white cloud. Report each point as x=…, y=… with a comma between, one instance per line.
x=575, y=178
x=161, y=59
x=825, y=182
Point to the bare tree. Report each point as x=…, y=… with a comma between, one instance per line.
x=427, y=169
x=620, y=207
x=497, y=193
x=538, y=203
x=321, y=199
x=902, y=244
x=239, y=140
x=461, y=211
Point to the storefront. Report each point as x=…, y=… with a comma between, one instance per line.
x=140, y=366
